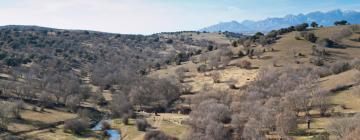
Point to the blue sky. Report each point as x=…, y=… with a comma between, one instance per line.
x=151, y=16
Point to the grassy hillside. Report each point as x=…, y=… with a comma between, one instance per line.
x=291, y=50
x=182, y=85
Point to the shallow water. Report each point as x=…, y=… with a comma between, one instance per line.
x=114, y=134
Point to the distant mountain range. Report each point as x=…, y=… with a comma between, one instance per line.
x=322, y=18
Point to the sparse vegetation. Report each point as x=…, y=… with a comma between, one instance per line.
x=339, y=67
x=91, y=76
x=157, y=135
x=244, y=64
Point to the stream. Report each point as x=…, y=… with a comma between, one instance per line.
x=114, y=134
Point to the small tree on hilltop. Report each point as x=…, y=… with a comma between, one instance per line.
x=314, y=24
x=341, y=22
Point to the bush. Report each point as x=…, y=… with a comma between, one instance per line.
x=344, y=128
x=202, y=68
x=210, y=48
x=120, y=105
x=310, y=37
x=243, y=64
x=76, y=126
x=105, y=125
x=142, y=124
x=317, y=61
x=301, y=27
x=101, y=101
x=180, y=74
x=157, y=135
x=169, y=41
x=125, y=119
x=322, y=71
x=339, y=67
x=355, y=63
x=327, y=43
x=216, y=77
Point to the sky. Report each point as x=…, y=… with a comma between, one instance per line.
x=153, y=16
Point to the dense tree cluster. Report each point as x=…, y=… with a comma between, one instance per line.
x=271, y=103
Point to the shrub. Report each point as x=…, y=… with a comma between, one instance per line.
x=202, y=68
x=339, y=67
x=76, y=126
x=327, y=43
x=210, y=47
x=216, y=77
x=105, y=125
x=101, y=101
x=301, y=27
x=317, y=61
x=125, y=119
x=320, y=100
x=120, y=105
x=169, y=41
x=344, y=127
x=355, y=63
x=225, y=60
x=244, y=64
x=322, y=71
x=180, y=74
x=157, y=135
x=310, y=37
x=142, y=124
x=16, y=109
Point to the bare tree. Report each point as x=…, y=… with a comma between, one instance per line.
x=181, y=74
x=208, y=119
x=253, y=130
x=203, y=58
x=216, y=77
x=214, y=61
x=225, y=60
x=344, y=127
x=4, y=116
x=120, y=105
x=286, y=122
x=321, y=101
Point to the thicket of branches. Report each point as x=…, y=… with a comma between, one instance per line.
x=270, y=103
